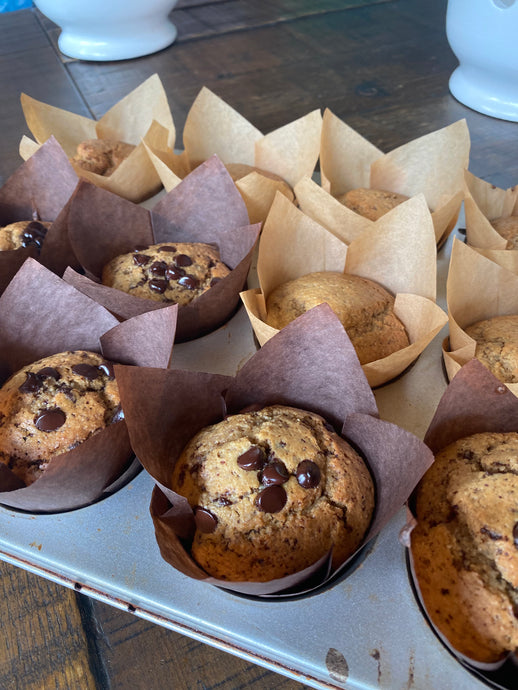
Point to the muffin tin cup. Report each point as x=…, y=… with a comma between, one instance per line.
x=41, y=315
x=433, y=165
x=474, y=402
x=476, y=289
x=399, y=253
x=311, y=365
x=205, y=207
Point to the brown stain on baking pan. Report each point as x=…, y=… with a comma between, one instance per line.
x=337, y=665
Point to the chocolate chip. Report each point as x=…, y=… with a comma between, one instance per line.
x=274, y=473
x=252, y=459
x=158, y=268
x=34, y=234
x=166, y=249
x=308, y=474
x=205, y=521
x=141, y=259
x=189, y=282
x=87, y=371
x=49, y=373
x=50, y=420
x=515, y=534
x=174, y=273
x=183, y=260
x=158, y=285
x=224, y=501
x=32, y=383
x=107, y=369
x=272, y=499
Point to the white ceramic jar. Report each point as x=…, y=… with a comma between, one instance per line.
x=110, y=29
x=483, y=34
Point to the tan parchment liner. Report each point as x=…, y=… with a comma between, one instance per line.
x=399, y=252
x=310, y=364
x=432, y=165
x=477, y=288
x=41, y=315
x=205, y=207
x=213, y=127
x=143, y=115
x=474, y=402
x=39, y=189
x=483, y=203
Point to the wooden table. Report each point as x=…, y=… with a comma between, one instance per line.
x=383, y=67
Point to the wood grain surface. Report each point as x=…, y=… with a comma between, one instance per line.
x=383, y=67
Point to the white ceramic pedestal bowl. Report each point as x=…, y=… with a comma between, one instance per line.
x=483, y=34
x=110, y=29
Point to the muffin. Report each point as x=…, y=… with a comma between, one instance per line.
x=273, y=490
x=497, y=345
x=465, y=544
x=101, y=156
x=365, y=309
x=508, y=228
x=176, y=272
x=23, y=233
x=371, y=203
x=51, y=406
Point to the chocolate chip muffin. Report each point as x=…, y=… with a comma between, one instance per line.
x=51, y=406
x=465, y=544
x=497, y=345
x=176, y=272
x=23, y=233
x=273, y=490
x=371, y=203
x=508, y=228
x=365, y=309
x=101, y=156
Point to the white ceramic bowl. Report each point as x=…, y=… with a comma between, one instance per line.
x=110, y=29
x=483, y=36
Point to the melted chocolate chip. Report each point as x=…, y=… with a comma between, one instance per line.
x=34, y=234
x=174, y=273
x=515, y=610
x=205, y=521
x=189, y=282
x=141, y=259
x=107, y=369
x=308, y=474
x=183, y=260
x=272, y=499
x=87, y=371
x=158, y=285
x=515, y=534
x=32, y=383
x=49, y=373
x=50, y=420
x=158, y=268
x=224, y=501
x=274, y=473
x=167, y=249
x=252, y=459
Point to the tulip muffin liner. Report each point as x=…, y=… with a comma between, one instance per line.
x=213, y=127
x=433, y=165
x=399, y=253
x=205, y=207
x=477, y=288
x=38, y=190
x=41, y=315
x=311, y=365
x=474, y=402
x=141, y=116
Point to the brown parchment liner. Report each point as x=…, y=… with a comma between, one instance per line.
x=483, y=202
x=433, y=165
x=38, y=190
x=398, y=252
x=213, y=127
x=477, y=288
x=143, y=115
x=310, y=364
x=205, y=207
x=474, y=402
x=41, y=315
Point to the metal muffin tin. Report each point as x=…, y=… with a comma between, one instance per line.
x=366, y=630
